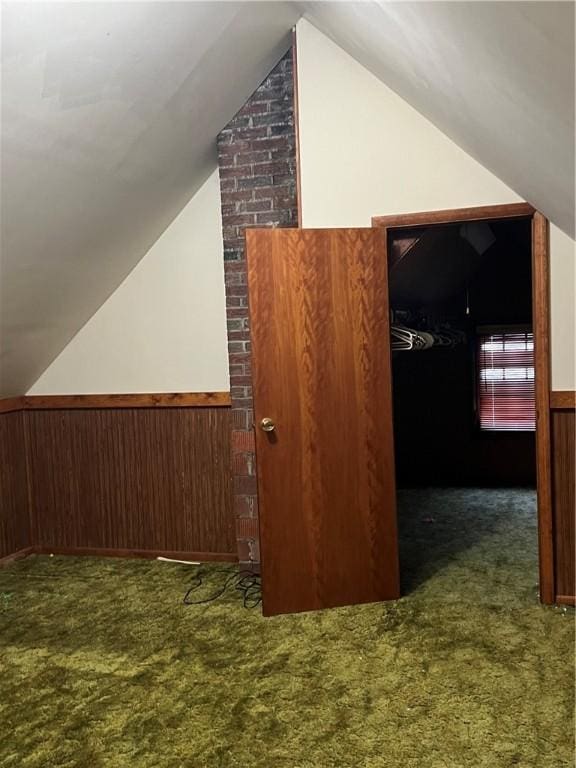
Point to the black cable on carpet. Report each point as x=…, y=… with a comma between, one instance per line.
x=245, y=582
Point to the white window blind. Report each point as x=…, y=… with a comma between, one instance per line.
x=506, y=381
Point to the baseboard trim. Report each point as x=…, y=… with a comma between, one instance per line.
x=138, y=400
x=21, y=553
x=566, y=600
x=11, y=404
x=144, y=400
x=203, y=557
x=563, y=400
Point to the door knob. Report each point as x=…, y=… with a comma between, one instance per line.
x=267, y=425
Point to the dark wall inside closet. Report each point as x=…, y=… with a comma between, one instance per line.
x=437, y=434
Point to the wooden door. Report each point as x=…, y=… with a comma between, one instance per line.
x=321, y=372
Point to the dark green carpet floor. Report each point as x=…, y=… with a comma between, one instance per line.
x=102, y=665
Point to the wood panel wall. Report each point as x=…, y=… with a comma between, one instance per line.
x=141, y=481
x=564, y=502
x=14, y=522
x=126, y=481
x=132, y=480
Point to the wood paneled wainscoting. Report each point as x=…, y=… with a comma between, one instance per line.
x=563, y=429
x=129, y=475
x=146, y=475
x=14, y=512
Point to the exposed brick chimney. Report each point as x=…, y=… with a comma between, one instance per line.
x=257, y=163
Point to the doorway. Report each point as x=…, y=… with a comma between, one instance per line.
x=322, y=385
x=471, y=412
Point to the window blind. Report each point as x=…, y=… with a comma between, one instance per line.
x=506, y=381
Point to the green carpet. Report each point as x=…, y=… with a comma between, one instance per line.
x=102, y=664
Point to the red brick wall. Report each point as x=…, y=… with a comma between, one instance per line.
x=257, y=162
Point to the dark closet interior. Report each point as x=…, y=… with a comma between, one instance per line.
x=474, y=278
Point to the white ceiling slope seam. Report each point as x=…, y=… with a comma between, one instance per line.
x=109, y=117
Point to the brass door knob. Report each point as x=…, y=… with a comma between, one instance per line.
x=267, y=425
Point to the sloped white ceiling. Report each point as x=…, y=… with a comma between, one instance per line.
x=496, y=77
x=110, y=111
x=109, y=118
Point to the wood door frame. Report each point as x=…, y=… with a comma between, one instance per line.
x=541, y=325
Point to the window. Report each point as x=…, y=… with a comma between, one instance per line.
x=506, y=381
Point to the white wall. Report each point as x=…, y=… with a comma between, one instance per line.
x=364, y=152
x=164, y=328
x=562, y=307
x=109, y=116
